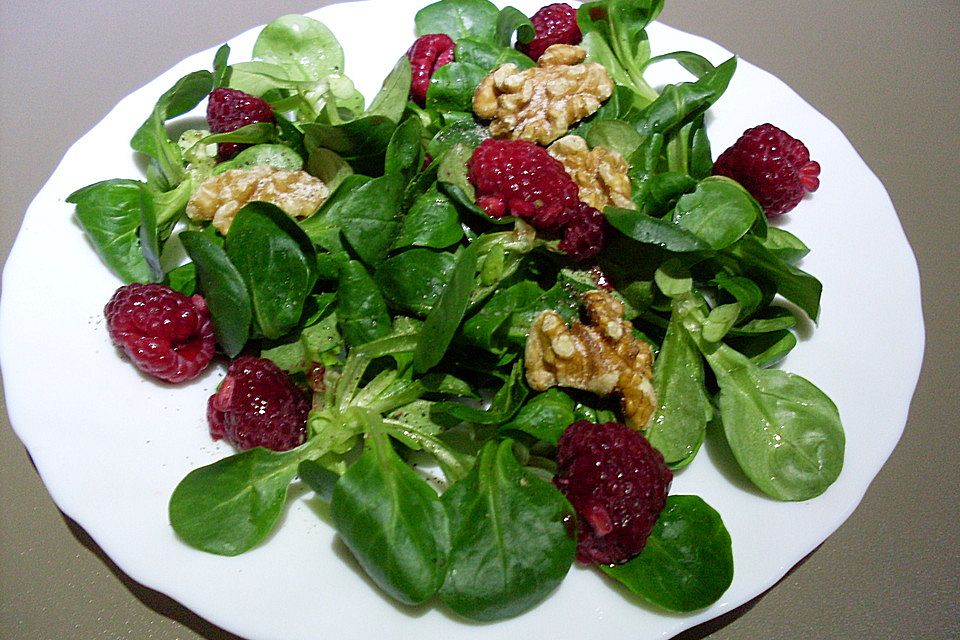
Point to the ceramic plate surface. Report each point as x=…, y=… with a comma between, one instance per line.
x=111, y=444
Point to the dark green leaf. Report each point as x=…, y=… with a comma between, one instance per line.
x=504, y=405
x=392, y=521
x=415, y=279
x=683, y=406
x=361, y=309
x=432, y=222
x=681, y=103
x=221, y=70
x=183, y=279
x=327, y=219
x=510, y=542
x=744, y=290
x=277, y=262
x=446, y=314
x=484, y=327
x=318, y=342
x=368, y=215
x=764, y=349
x=784, y=432
x=152, y=138
x=452, y=86
x=792, y=283
x=465, y=132
x=109, y=213
x=785, y=245
x=545, y=417
x=391, y=100
x=224, y=290
x=361, y=142
x=318, y=478
x=649, y=230
x=404, y=155
x=148, y=235
x=719, y=212
x=510, y=21
x=231, y=505
x=692, y=62
x=687, y=563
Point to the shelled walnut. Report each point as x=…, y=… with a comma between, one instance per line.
x=541, y=103
x=600, y=173
x=602, y=357
x=219, y=197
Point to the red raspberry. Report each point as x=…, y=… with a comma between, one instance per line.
x=772, y=165
x=553, y=24
x=618, y=485
x=520, y=178
x=165, y=333
x=427, y=54
x=230, y=109
x=585, y=235
x=258, y=405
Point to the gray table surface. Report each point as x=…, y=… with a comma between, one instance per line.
x=885, y=71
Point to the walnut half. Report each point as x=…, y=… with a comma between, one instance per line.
x=600, y=173
x=602, y=357
x=219, y=197
x=541, y=103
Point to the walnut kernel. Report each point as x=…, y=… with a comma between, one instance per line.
x=602, y=357
x=541, y=103
x=600, y=173
x=219, y=197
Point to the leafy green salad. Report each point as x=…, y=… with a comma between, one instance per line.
x=414, y=306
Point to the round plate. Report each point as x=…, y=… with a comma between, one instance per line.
x=111, y=444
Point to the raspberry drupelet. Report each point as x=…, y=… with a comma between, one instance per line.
x=618, y=484
x=164, y=333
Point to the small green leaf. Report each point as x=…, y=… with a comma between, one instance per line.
x=432, y=221
x=361, y=310
x=392, y=521
x=510, y=542
x=452, y=86
x=649, y=230
x=303, y=46
x=545, y=417
x=152, y=138
x=719, y=212
x=687, y=563
x=679, y=424
x=224, y=290
x=277, y=262
x=391, y=100
x=415, y=279
x=230, y=506
x=109, y=213
x=458, y=19
x=445, y=316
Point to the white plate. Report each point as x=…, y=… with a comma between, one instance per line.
x=111, y=445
